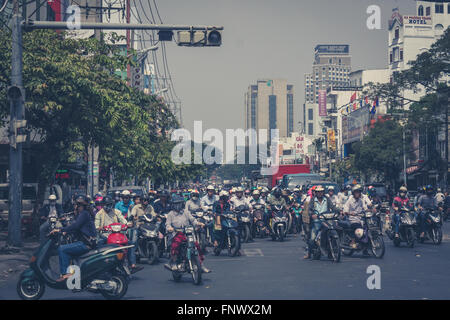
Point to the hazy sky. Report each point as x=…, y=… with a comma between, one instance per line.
x=265, y=39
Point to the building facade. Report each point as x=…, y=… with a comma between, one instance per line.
x=269, y=104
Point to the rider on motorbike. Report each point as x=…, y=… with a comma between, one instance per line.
x=332, y=196
x=179, y=218
x=50, y=209
x=126, y=204
x=275, y=199
x=319, y=204
x=84, y=227
x=400, y=201
x=353, y=208
x=209, y=199
x=194, y=202
x=162, y=204
x=238, y=199
x=426, y=201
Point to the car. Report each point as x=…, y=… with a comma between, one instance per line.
x=29, y=197
x=140, y=191
x=325, y=184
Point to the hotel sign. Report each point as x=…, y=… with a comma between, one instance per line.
x=333, y=48
x=416, y=20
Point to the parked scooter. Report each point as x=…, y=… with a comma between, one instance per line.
x=101, y=270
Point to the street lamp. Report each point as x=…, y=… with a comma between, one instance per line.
x=143, y=52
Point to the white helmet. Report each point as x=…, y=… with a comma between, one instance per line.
x=359, y=233
x=210, y=187
x=223, y=193
x=125, y=193
x=239, y=189
x=256, y=192
x=51, y=197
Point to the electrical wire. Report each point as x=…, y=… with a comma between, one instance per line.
x=4, y=6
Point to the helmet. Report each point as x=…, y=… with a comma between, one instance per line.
x=117, y=192
x=210, y=187
x=331, y=188
x=163, y=193
x=265, y=190
x=194, y=193
x=277, y=192
x=247, y=191
x=439, y=190
x=108, y=203
x=319, y=188
x=52, y=197
x=403, y=189
x=357, y=187
x=359, y=233
x=177, y=202
x=125, y=193
x=429, y=188
x=348, y=187
x=83, y=200
x=239, y=189
x=223, y=195
x=256, y=192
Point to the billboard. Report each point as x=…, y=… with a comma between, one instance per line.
x=417, y=20
x=331, y=140
x=355, y=124
x=322, y=103
x=326, y=48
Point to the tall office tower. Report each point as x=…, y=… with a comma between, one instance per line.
x=270, y=105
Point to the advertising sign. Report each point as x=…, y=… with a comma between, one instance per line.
x=355, y=124
x=331, y=140
x=322, y=103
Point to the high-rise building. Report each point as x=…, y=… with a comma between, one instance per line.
x=270, y=105
x=331, y=67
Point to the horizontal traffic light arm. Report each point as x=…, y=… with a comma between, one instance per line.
x=31, y=25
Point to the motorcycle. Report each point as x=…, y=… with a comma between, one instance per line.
x=231, y=240
x=102, y=270
x=259, y=228
x=203, y=234
x=149, y=240
x=188, y=259
x=279, y=223
x=297, y=219
x=327, y=241
x=371, y=236
x=244, y=223
x=433, y=227
x=406, y=229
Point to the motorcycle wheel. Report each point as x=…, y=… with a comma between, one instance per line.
x=377, y=246
x=436, y=235
x=281, y=236
x=217, y=251
x=316, y=254
x=196, y=271
x=245, y=234
x=396, y=242
x=334, y=247
x=152, y=252
x=235, y=245
x=202, y=241
x=121, y=290
x=30, y=289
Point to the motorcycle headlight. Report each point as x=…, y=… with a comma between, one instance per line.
x=116, y=228
x=189, y=230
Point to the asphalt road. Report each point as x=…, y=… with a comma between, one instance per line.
x=274, y=270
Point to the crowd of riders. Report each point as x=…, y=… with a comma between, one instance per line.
x=179, y=206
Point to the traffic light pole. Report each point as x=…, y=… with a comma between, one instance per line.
x=15, y=150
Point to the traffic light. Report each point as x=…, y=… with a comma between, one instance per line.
x=16, y=94
x=202, y=38
x=15, y=137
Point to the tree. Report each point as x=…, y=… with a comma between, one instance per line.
x=379, y=151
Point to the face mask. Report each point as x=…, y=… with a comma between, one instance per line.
x=194, y=198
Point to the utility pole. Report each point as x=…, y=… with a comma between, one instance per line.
x=16, y=96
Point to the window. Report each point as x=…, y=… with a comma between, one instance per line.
x=340, y=61
x=397, y=33
x=253, y=110
x=420, y=11
x=428, y=11
x=310, y=129
x=395, y=53
x=448, y=8
x=330, y=61
x=439, y=8
x=272, y=112
x=401, y=55
x=390, y=58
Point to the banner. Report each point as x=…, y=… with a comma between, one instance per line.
x=322, y=103
x=331, y=140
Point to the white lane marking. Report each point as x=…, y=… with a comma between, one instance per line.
x=253, y=252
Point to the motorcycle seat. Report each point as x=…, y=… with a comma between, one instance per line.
x=98, y=250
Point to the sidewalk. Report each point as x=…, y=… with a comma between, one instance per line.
x=12, y=263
